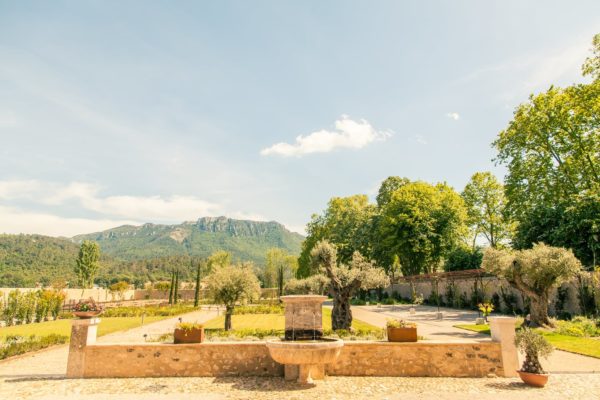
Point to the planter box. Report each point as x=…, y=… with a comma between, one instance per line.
x=195, y=335
x=536, y=380
x=86, y=314
x=402, y=334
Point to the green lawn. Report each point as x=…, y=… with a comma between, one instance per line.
x=579, y=345
x=274, y=321
x=63, y=326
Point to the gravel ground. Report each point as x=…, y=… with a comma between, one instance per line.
x=566, y=386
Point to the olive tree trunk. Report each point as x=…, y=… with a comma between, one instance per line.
x=539, y=310
x=228, y=314
x=341, y=315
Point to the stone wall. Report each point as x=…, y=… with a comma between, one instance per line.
x=418, y=359
x=206, y=359
x=253, y=359
x=491, y=285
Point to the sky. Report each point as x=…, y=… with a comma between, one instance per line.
x=127, y=112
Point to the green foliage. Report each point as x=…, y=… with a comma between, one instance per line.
x=314, y=284
x=579, y=327
x=230, y=285
x=86, y=266
x=463, y=258
x=259, y=309
x=421, y=223
x=148, y=311
x=346, y=223
x=118, y=289
x=189, y=326
x=15, y=345
x=552, y=151
x=485, y=202
x=279, y=269
x=533, y=272
x=399, y=323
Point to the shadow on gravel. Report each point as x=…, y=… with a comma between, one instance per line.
x=263, y=384
x=32, y=378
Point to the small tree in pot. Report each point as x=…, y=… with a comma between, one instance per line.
x=534, y=346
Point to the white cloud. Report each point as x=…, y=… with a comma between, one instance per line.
x=347, y=134
x=18, y=221
x=421, y=140
x=85, y=198
x=453, y=115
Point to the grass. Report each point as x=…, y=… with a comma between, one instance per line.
x=63, y=326
x=579, y=345
x=274, y=322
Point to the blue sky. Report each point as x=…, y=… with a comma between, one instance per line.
x=156, y=111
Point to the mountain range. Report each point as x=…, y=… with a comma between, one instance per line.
x=25, y=259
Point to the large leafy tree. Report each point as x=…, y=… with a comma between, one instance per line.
x=231, y=285
x=279, y=269
x=485, y=201
x=346, y=223
x=534, y=272
x=345, y=280
x=552, y=151
x=420, y=224
x=87, y=264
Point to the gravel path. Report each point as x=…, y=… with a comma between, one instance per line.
x=562, y=387
x=431, y=328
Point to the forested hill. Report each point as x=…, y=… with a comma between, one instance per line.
x=246, y=240
x=140, y=251
x=27, y=259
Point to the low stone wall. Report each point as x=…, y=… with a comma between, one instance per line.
x=418, y=359
x=153, y=360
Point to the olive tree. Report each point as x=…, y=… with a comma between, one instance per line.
x=533, y=272
x=345, y=280
x=230, y=285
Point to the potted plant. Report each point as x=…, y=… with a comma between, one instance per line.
x=486, y=309
x=534, y=346
x=86, y=309
x=188, y=332
x=401, y=331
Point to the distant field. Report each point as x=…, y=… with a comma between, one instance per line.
x=63, y=326
x=274, y=321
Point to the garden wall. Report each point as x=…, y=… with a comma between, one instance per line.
x=491, y=285
x=253, y=359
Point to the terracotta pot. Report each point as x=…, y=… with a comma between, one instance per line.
x=195, y=335
x=402, y=334
x=537, y=380
x=86, y=314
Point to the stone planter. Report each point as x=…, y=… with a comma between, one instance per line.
x=480, y=321
x=86, y=314
x=412, y=311
x=402, y=334
x=536, y=380
x=195, y=335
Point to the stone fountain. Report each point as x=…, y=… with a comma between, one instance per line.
x=304, y=352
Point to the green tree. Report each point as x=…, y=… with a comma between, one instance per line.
x=345, y=280
x=534, y=272
x=218, y=259
x=118, y=289
x=230, y=285
x=463, y=258
x=485, y=201
x=280, y=268
x=172, y=287
x=87, y=263
x=346, y=223
x=551, y=149
x=421, y=223
x=197, y=287
x=387, y=189
x=176, y=288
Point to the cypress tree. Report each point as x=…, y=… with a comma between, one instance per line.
x=176, y=289
x=171, y=288
x=197, y=291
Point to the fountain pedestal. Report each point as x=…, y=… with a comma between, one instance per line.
x=304, y=352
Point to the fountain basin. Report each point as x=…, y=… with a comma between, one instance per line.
x=305, y=359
